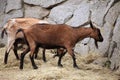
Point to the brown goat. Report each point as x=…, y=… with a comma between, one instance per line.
x=10, y=29
x=51, y=36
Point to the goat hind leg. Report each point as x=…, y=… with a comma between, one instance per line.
x=33, y=62
x=22, y=57
x=60, y=57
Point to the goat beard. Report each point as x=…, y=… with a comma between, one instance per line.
x=96, y=44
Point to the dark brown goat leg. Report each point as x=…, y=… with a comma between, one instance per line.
x=44, y=58
x=60, y=57
x=33, y=62
x=22, y=57
x=6, y=57
x=71, y=52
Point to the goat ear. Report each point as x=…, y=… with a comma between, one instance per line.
x=91, y=24
x=2, y=33
x=96, y=44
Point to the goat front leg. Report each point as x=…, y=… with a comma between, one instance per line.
x=22, y=57
x=9, y=47
x=44, y=57
x=71, y=52
x=60, y=57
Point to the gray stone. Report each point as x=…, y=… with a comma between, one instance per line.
x=113, y=13
x=115, y=59
x=116, y=31
x=13, y=14
x=49, y=3
x=13, y=5
x=35, y=11
x=34, y=2
x=1, y=20
x=99, y=10
x=44, y=3
x=61, y=14
x=73, y=2
x=81, y=15
x=82, y=49
x=2, y=6
x=114, y=50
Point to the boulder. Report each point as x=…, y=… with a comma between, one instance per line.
x=35, y=11
x=99, y=10
x=34, y=2
x=1, y=20
x=80, y=15
x=2, y=10
x=61, y=14
x=13, y=5
x=116, y=31
x=50, y=3
x=13, y=14
x=44, y=3
x=2, y=6
x=114, y=50
x=113, y=13
x=82, y=49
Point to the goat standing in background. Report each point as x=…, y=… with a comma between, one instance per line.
x=51, y=36
x=10, y=29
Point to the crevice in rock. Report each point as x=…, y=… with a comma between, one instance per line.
x=109, y=5
x=50, y=7
x=69, y=18
x=5, y=7
x=111, y=49
x=115, y=1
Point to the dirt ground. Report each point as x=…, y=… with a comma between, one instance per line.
x=50, y=71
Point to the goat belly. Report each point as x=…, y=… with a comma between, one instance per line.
x=48, y=46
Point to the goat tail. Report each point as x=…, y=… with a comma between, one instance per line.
x=3, y=32
x=24, y=37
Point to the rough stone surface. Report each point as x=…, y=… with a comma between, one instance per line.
x=80, y=16
x=13, y=14
x=114, y=50
x=61, y=14
x=113, y=13
x=2, y=6
x=82, y=49
x=35, y=11
x=13, y=4
x=44, y=3
x=98, y=11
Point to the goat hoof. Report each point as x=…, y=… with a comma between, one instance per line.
x=21, y=68
x=35, y=67
x=76, y=67
x=60, y=65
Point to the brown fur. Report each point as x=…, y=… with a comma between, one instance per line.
x=57, y=36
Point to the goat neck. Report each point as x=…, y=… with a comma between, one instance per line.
x=82, y=32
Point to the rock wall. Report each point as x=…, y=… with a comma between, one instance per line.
x=104, y=13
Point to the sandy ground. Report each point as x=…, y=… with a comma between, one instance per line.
x=50, y=71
